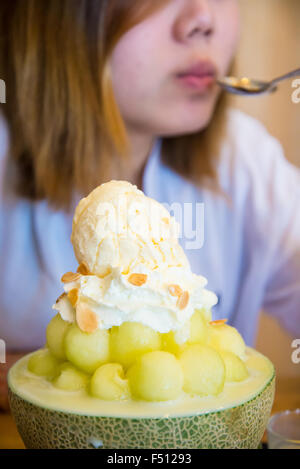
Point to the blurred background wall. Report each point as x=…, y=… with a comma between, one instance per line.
x=270, y=46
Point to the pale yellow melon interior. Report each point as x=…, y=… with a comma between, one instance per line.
x=39, y=391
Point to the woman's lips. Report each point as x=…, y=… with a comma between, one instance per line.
x=200, y=83
x=199, y=76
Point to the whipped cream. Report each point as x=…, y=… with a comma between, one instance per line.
x=114, y=299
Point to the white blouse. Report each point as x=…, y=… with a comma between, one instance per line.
x=249, y=249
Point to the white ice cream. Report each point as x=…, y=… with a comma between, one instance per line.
x=118, y=226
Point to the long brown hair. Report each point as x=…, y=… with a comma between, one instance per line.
x=66, y=132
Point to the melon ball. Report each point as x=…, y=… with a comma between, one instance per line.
x=224, y=337
x=169, y=343
x=55, y=334
x=156, y=376
x=206, y=314
x=70, y=379
x=109, y=383
x=130, y=340
x=199, y=329
x=203, y=369
x=87, y=351
x=43, y=363
x=236, y=369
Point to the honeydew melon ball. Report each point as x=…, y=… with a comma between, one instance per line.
x=109, y=383
x=225, y=337
x=169, y=343
x=43, y=363
x=236, y=369
x=156, y=376
x=203, y=369
x=130, y=340
x=55, y=334
x=87, y=351
x=70, y=379
x=199, y=329
x=206, y=314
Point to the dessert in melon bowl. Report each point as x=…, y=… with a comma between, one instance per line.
x=133, y=357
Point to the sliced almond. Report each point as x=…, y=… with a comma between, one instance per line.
x=73, y=296
x=86, y=319
x=183, y=300
x=60, y=297
x=137, y=279
x=82, y=269
x=70, y=277
x=175, y=290
x=218, y=322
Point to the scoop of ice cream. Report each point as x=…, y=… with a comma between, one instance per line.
x=118, y=226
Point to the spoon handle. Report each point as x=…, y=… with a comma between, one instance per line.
x=294, y=73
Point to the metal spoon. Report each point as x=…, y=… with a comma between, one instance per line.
x=248, y=86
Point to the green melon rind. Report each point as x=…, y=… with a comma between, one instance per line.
x=236, y=427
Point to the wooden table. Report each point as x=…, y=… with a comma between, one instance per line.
x=287, y=397
x=9, y=436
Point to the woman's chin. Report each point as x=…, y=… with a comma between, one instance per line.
x=188, y=121
x=187, y=128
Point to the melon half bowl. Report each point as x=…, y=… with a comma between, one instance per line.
x=52, y=418
x=133, y=358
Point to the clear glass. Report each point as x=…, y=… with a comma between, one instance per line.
x=283, y=430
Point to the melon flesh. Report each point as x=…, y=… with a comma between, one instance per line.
x=130, y=340
x=44, y=364
x=70, y=379
x=199, y=330
x=55, y=334
x=86, y=351
x=72, y=420
x=156, y=376
x=225, y=337
x=236, y=369
x=203, y=370
x=109, y=383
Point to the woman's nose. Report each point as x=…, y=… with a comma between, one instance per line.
x=195, y=20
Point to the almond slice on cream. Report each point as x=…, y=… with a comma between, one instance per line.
x=138, y=279
x=70, y=277
x=61, y=297
x=73, y=296
x=65, y=308
x=86, y=319
x=175, y=290
x=218, y=322
x=82, y=269
x=183, y=300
